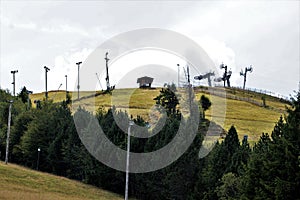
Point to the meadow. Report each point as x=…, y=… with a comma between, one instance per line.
x=249, y=118
x=25, y=184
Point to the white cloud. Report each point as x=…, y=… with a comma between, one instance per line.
x=127, y=64
x=265, y=34
x=65, y=64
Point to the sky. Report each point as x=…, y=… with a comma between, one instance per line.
x=57, y=34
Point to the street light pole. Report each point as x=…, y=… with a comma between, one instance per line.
x=38, y=159
x=46, y=71
x=78, y=86
x=131, y=123
x=14, y=81
x=66, y=86
x=8, y=131
x=178, y=76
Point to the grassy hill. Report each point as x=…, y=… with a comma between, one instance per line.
x=21, y=183
x=244, y=109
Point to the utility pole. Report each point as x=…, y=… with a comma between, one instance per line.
x=178, y=74
x=8, y=131
x=190, y=88
x=66, y=86
x=14, y=81
x=107, y=76
x=46, y=71
x=131, y=123
x=247, y=69
x=78, y=86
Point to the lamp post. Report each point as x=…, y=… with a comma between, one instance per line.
x=131, y=123
x=38, y=158
x=14, y=81
x=46, y=71
x=78, y=86
x=178, y=75
x=8, y=131
x=66, y=87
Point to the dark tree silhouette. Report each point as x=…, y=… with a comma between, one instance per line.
x=205, y=104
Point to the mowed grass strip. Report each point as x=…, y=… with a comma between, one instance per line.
x=21, y=183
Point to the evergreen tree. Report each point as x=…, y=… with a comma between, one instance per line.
x=229, y=187
x=23, y=95
x=273, y=171
x=167, y=99
x=205, y=104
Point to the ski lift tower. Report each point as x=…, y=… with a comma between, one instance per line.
x=226, y=75
x=207, y=75
x=247, y=69
x=222, y=66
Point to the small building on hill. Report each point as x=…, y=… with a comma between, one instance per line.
x=145, y=82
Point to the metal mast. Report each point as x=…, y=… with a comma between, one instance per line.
x=131, y=123
x=8, y=132
x=107, y=76
x=14, y=81
x=46, y=71
x=78, y=86
x=247, y=69
x=178, y=74
x=66, y=86
x=222, y=66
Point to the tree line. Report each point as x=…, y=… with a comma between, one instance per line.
x=232, y=170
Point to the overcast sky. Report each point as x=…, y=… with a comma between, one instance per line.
x=58, y=34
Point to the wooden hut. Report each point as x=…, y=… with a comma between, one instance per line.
x=145, y=82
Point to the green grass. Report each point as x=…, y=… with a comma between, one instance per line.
x=21, y=183
x=248, y=118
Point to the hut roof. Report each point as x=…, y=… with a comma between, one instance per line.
x=145, y=79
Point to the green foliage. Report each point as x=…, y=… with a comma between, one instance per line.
x=167, y=99
x=273, y=170
x=232, y=170
x=263, y=98
x=227, y=157
x=229, y=188
x=17, y=108
x=205, y=104
x=23, y=95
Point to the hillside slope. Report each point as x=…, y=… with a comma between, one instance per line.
x=244, y=109
x=21, y=183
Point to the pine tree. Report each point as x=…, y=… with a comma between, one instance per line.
x=273, y=171
x=205, y=104
x=167, y=99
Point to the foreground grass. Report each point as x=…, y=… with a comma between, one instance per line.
x=249, y=119
x=21, y=183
